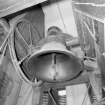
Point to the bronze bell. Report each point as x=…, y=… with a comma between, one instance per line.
x=53, y=62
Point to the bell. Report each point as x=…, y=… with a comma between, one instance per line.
x=53, y=62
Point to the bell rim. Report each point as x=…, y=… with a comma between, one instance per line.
x=63, y=80
x=38, y=53
x=69, y=53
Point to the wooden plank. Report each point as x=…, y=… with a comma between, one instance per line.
x=11, y=6
x=95, y=11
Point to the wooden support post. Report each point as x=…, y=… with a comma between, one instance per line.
x=69, y=97
x=95, y=77
x=36, y=95
x=77, y=95
x=96, y=83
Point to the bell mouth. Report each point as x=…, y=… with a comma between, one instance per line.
x=54, y=65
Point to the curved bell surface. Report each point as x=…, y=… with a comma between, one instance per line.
x=54, y=63
x=55, y=66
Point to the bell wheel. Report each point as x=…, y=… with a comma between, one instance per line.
x=23, y=38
